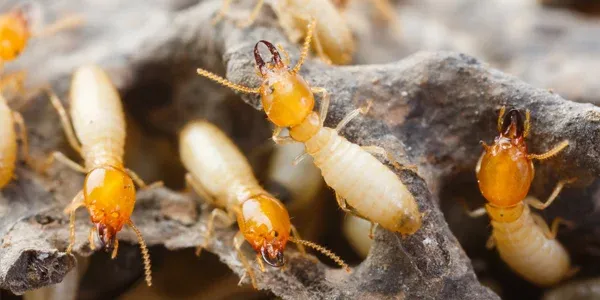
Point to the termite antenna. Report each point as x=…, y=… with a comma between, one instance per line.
x=305, y=47
x=145, y=254
x=227, y=83
x=323, y=250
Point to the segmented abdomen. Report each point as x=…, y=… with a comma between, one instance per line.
x=368, y=186
x=8, y=144
x=524, y=247
x=98, y=118
x=216, y=162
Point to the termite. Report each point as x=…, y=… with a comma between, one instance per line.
x=108, y=190
x=333, y=41
x=364, y=186
x=221, y=175
x=504, y=173
x=8, y=141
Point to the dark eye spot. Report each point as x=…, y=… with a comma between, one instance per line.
x=276, y=234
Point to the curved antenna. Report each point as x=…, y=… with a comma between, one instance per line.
x=224, y=82
x=323, y=250
x=306, y=45
x=145, y=255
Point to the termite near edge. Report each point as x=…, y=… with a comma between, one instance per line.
x=108, y=190
x=364, y=186
x=220, y=173
x=523, y=239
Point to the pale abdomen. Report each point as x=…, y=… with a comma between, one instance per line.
x=98, y=119
x=8, y=144
x=525, y=248
x=366, y=184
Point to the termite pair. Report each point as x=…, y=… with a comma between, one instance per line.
x=220, y=173
x=364, y=186
x=504, y=173
x=108, y=190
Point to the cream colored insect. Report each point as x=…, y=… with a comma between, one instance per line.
x=108, y=192
x=333, y=41
x=8, y=141
x=523, y=239
x=364, y=186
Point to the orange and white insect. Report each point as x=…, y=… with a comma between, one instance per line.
x=220, y=173
x=523, y=239
x=333, y=39
x=8, y=141
x=364, y=186
x=108, y=191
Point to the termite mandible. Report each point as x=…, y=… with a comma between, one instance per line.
x=220, y=173
x=364, y=186
x=108, y=191
x=504, y=173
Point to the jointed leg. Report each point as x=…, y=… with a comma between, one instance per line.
x=92, y=238
x=473, y=213
x=69, y=22
x=353, y=114
x=347, y=209
x=281, y=140
x=260, y=262
x=222, y=12
x=550, y=152
x=115, y=249
x=59, y=156
x=64, y=119
x=490, y=243
x=199, y=189
x=324, y=106
x=372, y=230
x=238, y=241
x=140, y=183
x=296, y=235
x=388, y=155
x=500, y=118
x=18, y=119
x=217, y=212
x=306, y=46
x=70, y=209
x=542, y=205
x=253, y=15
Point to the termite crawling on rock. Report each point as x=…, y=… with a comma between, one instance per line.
x=364, y=186
x=222, y=176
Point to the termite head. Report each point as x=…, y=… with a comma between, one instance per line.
x=286, y=97
x=109, y=195
x=265, y=223
x=504, y=171
x=14, y=34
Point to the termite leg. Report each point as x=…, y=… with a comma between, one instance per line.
x=15, y=80
x=91, y=238
x=225, y=217
x=500, y=118
x=199, y=189
x=281, y=140
x=550, y=152
x=372, y=230
x=389, y=156
x=472, y=213
x=238, y=241
x=222, y=12
x=552, y=231
x=141, y=184
x=572, y=272
x=260, y=262
x=115, y=249
x=542, y=205
x=70, y=209
x=306, y=46
x=490, y=243
x=23, y=136
x=296, y=235
x=347, y=209
x=59, y=156
x=353, y=114
x=65, y=23
x=324, y=106
x=253, y=15
x=64, y=120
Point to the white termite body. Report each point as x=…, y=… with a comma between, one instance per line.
x=8, y=143
x=368, y=186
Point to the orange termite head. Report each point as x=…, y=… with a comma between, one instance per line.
x=14, y=34
x=504, y=171
x=109, y=195
x=286, y=97
x=265, y=223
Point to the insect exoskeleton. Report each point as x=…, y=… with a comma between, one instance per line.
x=8, y=141
x=523, y=239
x=334, y=42
x=108, y=191
x=220, y=173
x=14, y=34
x=364, y=186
